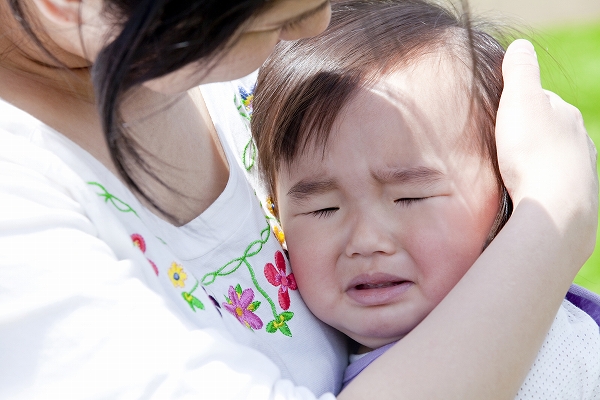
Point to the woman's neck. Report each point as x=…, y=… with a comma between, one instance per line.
x=177, y=133
x=60, y=94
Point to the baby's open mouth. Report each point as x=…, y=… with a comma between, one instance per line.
x=364, y=286
x=378, y=290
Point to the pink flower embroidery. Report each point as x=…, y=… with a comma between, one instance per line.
x=154, y=267
x=240, y=305
x=140, y=243
x=277, y=277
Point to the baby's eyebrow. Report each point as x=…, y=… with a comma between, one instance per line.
x=306, y=188
x=414, y=175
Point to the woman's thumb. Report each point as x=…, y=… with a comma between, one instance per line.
x=521, y=70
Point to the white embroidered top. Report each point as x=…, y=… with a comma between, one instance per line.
x=101, y=298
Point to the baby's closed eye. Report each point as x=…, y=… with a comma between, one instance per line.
x=324, y=212
x=406, y=201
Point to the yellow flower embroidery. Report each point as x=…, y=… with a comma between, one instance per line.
x=271, y=205
x=177, y=275
x=279, y=234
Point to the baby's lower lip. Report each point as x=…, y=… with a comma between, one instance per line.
x=374, y=294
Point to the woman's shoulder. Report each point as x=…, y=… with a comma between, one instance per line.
x=43, y=186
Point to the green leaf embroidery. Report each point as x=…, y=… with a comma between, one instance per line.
x=285, y=330
x=271, y=327
x=280, y=324
x=254, y=306
x=193, y=301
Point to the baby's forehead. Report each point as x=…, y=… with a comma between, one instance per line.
x=429, y=94
x=440, y=72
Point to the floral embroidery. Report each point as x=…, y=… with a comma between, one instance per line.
x=232, y=266
x=177, y=275
x=140, y=243
x=115, y=201
x=154, y=267
x=213, y=301
x=240, y=305
x=277, y=277
x=274, y=221
x=279, y=234
x=176, y=272
x=247, y=99
x=280, y=324
x=280, y=320
x=243, y=103
x=270, y=205
x=192, y=300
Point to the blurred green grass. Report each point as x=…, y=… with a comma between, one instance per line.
x=570, y=64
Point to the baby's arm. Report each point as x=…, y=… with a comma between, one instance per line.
x=480, y=342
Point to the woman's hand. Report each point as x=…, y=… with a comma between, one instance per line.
x=544, y=152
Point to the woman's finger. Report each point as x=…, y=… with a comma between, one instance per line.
x=520, y=69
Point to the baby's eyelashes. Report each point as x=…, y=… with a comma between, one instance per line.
x=324, y=212
x=329, y=211
x=406, y=201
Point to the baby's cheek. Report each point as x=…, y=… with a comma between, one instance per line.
x=442, y=259
x=314, y=280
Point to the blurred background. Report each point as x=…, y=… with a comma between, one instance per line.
x=567, y=37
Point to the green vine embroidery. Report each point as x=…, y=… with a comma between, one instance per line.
x=114, y=200
x=243, y=103
x=279, y=322
x=118, y=203
x=253, y=249
x=193, y=301
x=241, y=107
x=249, y=156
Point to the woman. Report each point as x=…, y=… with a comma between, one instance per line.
x=204, y=304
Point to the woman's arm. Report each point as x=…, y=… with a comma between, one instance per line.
x=481, y=340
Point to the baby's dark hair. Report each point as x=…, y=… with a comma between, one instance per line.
x=304, y=85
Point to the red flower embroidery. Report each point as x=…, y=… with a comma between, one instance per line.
x=140, y=243
x=277, y=277
x=154, y=267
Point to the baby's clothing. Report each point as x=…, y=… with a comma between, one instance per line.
x=91, y=281
x=567, y=366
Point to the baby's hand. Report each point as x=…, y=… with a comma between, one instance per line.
x=544, y=151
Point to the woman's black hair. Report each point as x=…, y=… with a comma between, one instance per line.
x=156, y=38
